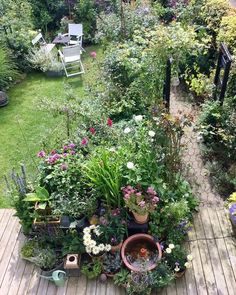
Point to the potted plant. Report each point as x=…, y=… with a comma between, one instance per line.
x=41, y=199
x=177, y=259
x=111, y=263
x=45, y=62
x=140, y=202
x=113, y=229
x=48, y=261
x=91, y=269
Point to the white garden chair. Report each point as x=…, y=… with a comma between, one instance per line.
x=75, y=31
x=47, y=47
x=71, y=61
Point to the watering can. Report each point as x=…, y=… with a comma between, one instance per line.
x=58, y=277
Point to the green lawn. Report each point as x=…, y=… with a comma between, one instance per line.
x=23, y=127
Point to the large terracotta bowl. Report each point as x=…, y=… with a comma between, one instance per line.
x=133, y=242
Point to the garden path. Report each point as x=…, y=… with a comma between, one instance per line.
x=210, y=241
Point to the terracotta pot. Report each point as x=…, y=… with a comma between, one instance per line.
x=116, y=248
x=141, y=219
x=134, y=240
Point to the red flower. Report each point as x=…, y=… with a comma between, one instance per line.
x=109, y=122
x=92, y=130
x=84, y=141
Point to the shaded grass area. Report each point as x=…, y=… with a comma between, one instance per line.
x=24, y=128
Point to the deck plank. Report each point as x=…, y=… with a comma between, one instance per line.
x=72, y=286
x=28, y=271
x=189, y=277
x=215, y=225
x=207, y=267
x=198, y=269
x=181, y=286
x=226, y=265
x=6, y=217
x=8, y=245
x=82, y=285
x=34, y=282
x=91, y=287
x=231, y=248
x=217, y=268
x=11, y=267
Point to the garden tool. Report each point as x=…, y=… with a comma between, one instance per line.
x=58, y=277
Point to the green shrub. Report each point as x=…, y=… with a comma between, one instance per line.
x=8, y=70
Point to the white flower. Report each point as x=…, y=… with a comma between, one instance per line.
x=86, y=230
x=87, y=243
x=155, y=118
x=101, y=247
x=95, y=250
x=87, y=237
x=127, y=130
x=88, y=249
x=190, y=257
x=138, y=118
x=92, y=243
x=168, y=250
x=107, y=247
x=92, y=226
x=187, y=265
x=151, y=133
x=130, y=165
x=177, y=268
x=97, y=232
x=171, y=246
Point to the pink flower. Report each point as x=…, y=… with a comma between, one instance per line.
x=84, y=141
x=65, y=147
x=53, y=152
x=41, y=154
x=109, y=122
x=71, y=145
x=126, y=196
x=64, y=166
x=65, y=155
x=142, y=204
x=92, y=130
x=138, y=194
x=155, y=200
x=72, y=152
x=93, y=54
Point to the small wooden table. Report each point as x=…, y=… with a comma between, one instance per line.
x=61, y=40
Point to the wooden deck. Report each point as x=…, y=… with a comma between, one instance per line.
x=210, y=242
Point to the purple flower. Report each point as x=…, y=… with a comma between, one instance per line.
x=64, y=166
x=232, y=211
x=155, y=200
x=65, y=147
x=151, y=191
x=177, y=263
x=72, y=152
x=138, y=194
x=41, y=154
x=115, y=212
x=71, y=146
x=53, y=152
x=65, y=154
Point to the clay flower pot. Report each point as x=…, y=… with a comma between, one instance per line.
x=135, y=244
x=116, y=247
x=141, y=219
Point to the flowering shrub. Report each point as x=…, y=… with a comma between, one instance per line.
x=177, y=258
x=138, y=201
x=92, y=240
x=61, y=175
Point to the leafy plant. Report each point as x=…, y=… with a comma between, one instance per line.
x=92, y=269
x=104, y=175
x=72, y=243
x=111, y=262
x=120, y=278
x=176, y=258
x=45, y=259
x=8, y=69
x=28, y=249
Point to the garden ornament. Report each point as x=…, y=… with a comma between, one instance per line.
x=58, y=277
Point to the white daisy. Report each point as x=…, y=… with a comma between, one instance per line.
x=130, y=165
x=138, y=118
x=95, y=250
x=88, y=249
x=187, y=265
x=127, y=130
x=101, y=247
x=151, y=133
x=171, y=246
x=107, y=247
x=86, y=230
x=177, y=269
x=190, y=257
x=168, y=250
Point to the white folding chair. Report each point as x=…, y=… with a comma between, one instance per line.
x=75, y=31
x=47, y=47
x=70, y=58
